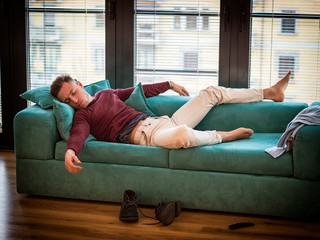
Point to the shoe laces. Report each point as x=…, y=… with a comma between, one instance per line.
x=158, y=209
x=132, y=202
x=128, y=203
x=148, y=216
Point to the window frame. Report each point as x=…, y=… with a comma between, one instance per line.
x=234, y=43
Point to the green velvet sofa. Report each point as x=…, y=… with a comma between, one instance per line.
x=234, y=177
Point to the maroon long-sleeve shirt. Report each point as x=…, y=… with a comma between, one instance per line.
x=107, y=115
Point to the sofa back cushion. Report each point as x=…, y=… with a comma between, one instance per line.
x=262, y=117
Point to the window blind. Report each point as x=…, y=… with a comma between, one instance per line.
x=65, y=36
x=285, y=36
x=177, y=41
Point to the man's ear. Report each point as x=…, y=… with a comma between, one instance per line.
x=78, y=83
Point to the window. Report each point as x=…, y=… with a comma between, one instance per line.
x=205, y=23
x=70, y=40
x=179, y=41
x=191, y=21
x=191, y=61
x=189, y=56
x=49, y=19
x=98, y=56
x=177, y=20
x=283, y=39
x=100, y=18
x=288, y=25
x=145, y=58
x=285, y=64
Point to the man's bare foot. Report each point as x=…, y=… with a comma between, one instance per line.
x=276, y=92
x=239, y=133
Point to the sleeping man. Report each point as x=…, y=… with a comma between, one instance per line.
x=108, y=118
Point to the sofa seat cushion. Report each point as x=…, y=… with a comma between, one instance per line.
x=242, y=156
x=118, y=153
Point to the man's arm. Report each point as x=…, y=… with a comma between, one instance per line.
x=79, y=132
x=69, y=158
x=179, y=89
x=155, y=89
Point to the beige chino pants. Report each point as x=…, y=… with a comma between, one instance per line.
x=177, y=131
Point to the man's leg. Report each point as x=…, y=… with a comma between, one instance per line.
x=174, y=137
x=239, y=133
x=161, y=132
x=179, y=133
x=197, y=108
x=275, y=93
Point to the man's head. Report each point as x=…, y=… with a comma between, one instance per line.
x=70, y=92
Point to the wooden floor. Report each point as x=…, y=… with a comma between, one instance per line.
x=31, y=217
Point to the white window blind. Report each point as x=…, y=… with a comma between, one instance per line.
x=65, y=36
x=285, y=36
x=177, y=41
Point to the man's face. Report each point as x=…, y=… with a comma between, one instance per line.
x=73, y=94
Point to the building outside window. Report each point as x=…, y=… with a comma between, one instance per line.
x=177, y=27
x=287, y=63
x=145, y=57
x=100, y=18
x=49, y=19
x=99, y=55
x=284, y=39
x=191, y=21
x=177, y=20
x=65, y=37
x=205, y=23
x=191, y=61
x=288, y=25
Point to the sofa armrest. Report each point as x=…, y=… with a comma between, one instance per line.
x=306, y=153
x=35, y=133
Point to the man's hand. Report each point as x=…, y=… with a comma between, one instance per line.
x=69, y=158
x=181, y=90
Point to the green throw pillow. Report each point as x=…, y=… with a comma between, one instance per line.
x=40, y=95
x=138, y=101
x=64, y=117
x=43, y=98
x=315, y=104
x=95, y=87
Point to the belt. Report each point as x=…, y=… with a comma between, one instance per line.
x=131, y=136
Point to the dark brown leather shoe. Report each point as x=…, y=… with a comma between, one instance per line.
x=128, y=212
x=166, y=212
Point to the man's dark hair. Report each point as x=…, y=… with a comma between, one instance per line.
x=57, y=84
